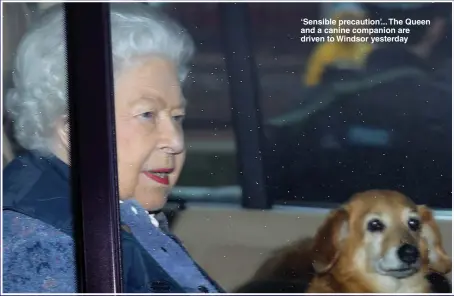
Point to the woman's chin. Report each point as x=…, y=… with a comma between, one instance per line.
x=153, y=199
x=150, y=195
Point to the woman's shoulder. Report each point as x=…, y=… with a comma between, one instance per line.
x=36, y=256
x=17, y=225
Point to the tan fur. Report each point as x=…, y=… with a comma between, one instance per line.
x=341, y=249
x=440, y=260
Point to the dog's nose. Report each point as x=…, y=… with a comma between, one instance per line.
x=408, y=253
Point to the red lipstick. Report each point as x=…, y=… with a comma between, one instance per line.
x=160, y=176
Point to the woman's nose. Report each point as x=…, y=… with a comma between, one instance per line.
x=170, y=136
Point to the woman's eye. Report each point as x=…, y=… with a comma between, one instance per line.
x=146, y=115
x=178, y=118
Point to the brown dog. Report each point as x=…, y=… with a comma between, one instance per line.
x=378, y=242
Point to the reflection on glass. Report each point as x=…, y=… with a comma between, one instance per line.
x=346, y=117
x=38, y=249
x=210, y=170
x=152, y=57
x=151, y=60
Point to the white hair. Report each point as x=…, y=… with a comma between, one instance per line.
x=39, y=96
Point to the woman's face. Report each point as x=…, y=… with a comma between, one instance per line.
x=149, y=109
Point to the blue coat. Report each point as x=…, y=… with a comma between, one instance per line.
x=39, y=253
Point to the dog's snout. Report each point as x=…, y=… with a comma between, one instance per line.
x=408, y=253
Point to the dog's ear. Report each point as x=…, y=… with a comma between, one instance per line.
x=439, y=260
x=328, y=240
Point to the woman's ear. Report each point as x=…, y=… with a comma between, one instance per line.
x=439, y=260
x=328, y=240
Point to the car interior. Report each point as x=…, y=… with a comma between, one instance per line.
x=268, y=159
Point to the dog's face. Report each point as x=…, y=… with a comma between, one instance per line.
x=383, y=235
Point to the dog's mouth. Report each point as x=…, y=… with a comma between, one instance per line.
x=398, y=273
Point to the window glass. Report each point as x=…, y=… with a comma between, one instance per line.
x=16, y=18
x=36, y=190
x=345, y=117
x=211, y=152
x=153, y=117
x=209, y=171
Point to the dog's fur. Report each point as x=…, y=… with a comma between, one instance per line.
x=345, y=257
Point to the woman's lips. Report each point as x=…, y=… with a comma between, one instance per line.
x=161, y=176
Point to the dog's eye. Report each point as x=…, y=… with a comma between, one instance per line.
x=375, y=225
x=414, y=224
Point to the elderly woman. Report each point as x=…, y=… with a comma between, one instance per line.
x=150, y=56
